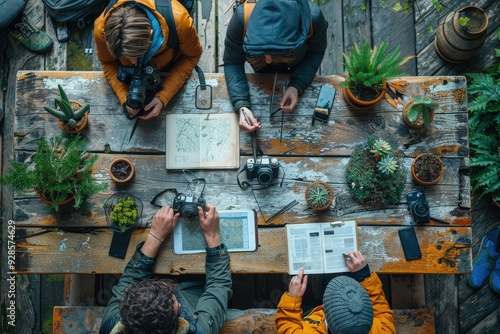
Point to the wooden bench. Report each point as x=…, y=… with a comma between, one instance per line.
x=87, y=319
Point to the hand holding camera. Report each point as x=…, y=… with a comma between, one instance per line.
x=187, y=205
x=139, y=78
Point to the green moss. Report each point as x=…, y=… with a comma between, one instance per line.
x=76, y=58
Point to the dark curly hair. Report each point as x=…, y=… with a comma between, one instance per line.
x=148, y=307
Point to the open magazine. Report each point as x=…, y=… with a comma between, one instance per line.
x=318, y=247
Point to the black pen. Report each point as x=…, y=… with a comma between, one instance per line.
x=246, y=117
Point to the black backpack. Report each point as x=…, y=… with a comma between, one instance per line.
x=165, y=9
x=72, y=10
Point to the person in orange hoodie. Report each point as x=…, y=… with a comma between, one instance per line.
x=352, y=305
x=135, y=34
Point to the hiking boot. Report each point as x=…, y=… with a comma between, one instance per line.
x=495, y=277
x=30, y=36
x=483, y=263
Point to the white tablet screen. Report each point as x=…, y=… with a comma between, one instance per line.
x=237, y=231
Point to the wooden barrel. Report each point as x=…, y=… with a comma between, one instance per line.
x=456, y=43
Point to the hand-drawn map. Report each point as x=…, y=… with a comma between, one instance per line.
x=233, y=230
x=202, y=141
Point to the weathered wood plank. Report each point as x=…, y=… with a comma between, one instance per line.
x=224, y=13
x=441, y=296
x=483, y=302
x=205, y=18
x=149, y=180
x=397, y=29
x=333, y=61
x=349, y=127
x=68, y=319
x=443, y=250
x=357, y=23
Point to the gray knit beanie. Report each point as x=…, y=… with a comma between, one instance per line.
x=348, y=308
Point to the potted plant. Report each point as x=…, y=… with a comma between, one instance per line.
x=462, y=34
x=319, y=195
x=121, y=170
x=419, y=112
x=484, y=132
x=123, y=211
x=427, y=168
x=58, y=171
x=368, y=71
x=72, y=116
x=372, y=179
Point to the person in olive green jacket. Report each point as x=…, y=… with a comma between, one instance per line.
x=132, y=33
x=351, y=305
x=141, y=304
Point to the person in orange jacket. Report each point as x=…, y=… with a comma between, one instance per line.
x=352, y=305
x=133, y=33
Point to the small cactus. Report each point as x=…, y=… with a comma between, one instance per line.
x=66, y=112
x=387, y=165
x=381, y=147
x=319, y=195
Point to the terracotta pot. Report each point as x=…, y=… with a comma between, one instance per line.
x=330, y=193
x=418, y=180
x=78, y=129
x=417, y=124
x=455, y=43
x=123, y=160
x=360, y=104
x=45, y=200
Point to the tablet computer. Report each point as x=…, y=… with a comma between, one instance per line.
x=237, y=229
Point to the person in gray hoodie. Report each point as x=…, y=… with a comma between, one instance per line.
x=285, y=36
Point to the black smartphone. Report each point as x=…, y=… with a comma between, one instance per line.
x=324, y=103
x=410, y=244
x=119, y=244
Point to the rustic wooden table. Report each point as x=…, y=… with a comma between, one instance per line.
x=78, y=241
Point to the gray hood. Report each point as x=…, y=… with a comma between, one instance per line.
x=277, y=26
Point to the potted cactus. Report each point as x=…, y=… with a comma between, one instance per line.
x=419, y=112
x=72, y=116
x=319, y=195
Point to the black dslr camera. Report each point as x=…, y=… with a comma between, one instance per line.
x=188, y=205
x=418, y=207
x=139, y=78
x=265, y=169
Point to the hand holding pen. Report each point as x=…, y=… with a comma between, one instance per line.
x=247, y=121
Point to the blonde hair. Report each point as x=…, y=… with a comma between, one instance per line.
x=127, y=32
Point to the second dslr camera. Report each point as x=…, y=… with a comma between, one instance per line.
x=188, y=205
x=418, y=206
x=139, y=78
x=263, y=168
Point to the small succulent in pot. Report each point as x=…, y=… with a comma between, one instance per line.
x=427, y=168
x=419, y=111
x=123, y=211
x=319, y=195
x=72, y=115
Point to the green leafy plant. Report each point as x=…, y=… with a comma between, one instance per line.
x=388, y=164
x=421, y=107
x=367, y=183
x=319, y=195
x=484, y=129
x=124, y=213
x=370, y=68
x=65, y=111
x=381, y=147
x=58, y=170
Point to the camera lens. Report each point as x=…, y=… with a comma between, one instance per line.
x=136, y=95
x=189, y=211
x=421, y=209
x=265, y=175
